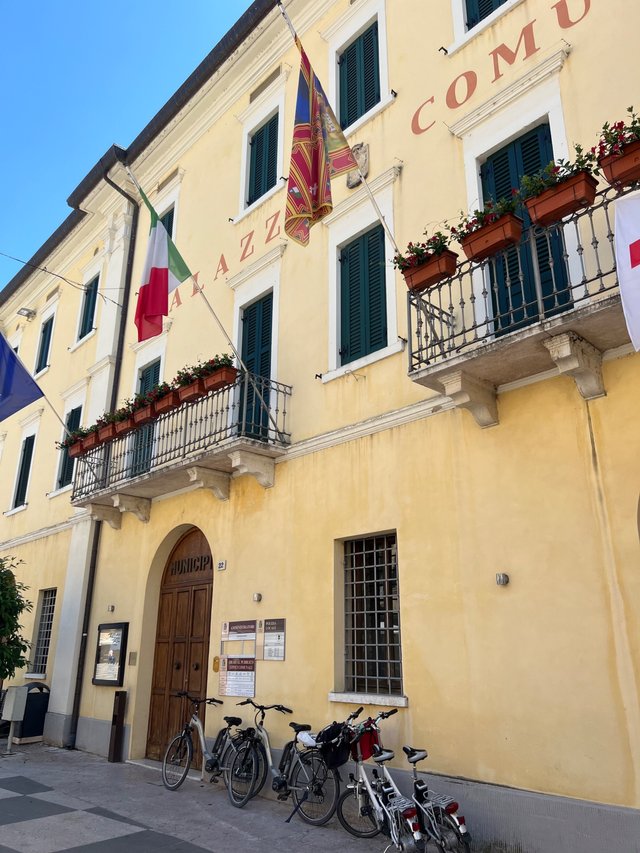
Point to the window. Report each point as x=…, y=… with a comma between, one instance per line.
x=359, y=76
x=373, y=656
x=66, y=462
x=363, y=317
x=478, y=10
x=45, y=343
x=20, y=497
x=143, y=436
x=88, y=308
x=167, y=221
x=46, y=607
x=513, y=276
x=263, y=163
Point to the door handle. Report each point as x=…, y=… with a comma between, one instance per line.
x=177, y=665
x=196, y=667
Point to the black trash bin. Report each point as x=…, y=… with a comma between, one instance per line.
x=32, y=726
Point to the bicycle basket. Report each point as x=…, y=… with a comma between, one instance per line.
x=333, y=743
x=363, y=746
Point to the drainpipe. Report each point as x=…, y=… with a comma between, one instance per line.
x=70, y=742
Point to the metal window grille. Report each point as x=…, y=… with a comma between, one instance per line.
x=373, y=653
x=47, y=607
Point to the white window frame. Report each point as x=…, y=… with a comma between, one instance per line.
x=48, y=311
x=461, y=35
x=541, y=103
x=74, y=398
x=146, y=353
x=265, y=106
x=35, y=673
x=345, y=223
x=30, y=427
x=94, y=270
x=340, y=35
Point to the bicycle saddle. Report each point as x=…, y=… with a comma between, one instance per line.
x=384, y=755
x=414, y=755
x=300, y=727
x=233, y=721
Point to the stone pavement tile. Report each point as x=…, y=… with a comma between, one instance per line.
x=63, y=832
x=113, y=816
x=142, y=842
x=4, y=794
x=23, y=785
x=73, y=803
x=18, y=809
x=4, y=849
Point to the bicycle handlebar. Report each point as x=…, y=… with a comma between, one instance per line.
x=210, y=701
x=282, y=708
x=355, y=714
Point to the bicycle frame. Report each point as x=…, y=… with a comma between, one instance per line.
x=388, y=807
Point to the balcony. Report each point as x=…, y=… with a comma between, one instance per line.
x=551, y=300
x=240, y=429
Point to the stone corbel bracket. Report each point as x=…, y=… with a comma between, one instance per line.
x=110, y=514
x=475, y=395
x=140, y=507
x=576, y=357
x=260, y=467
x=216, y=481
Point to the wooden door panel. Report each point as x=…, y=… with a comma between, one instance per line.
x=179, y=675
x=161, y=666
x=201, y=612
x=164, y=615
x=183, y=614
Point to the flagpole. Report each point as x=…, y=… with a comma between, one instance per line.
x=379, y=213
x=243, y=366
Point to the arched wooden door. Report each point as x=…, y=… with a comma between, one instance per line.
x=182, y=641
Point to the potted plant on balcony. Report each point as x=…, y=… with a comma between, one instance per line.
x=425, y=264
x=72, y=443
x=142, y=409
x=91, y=438
x=218, y=372
x=123, y=419
x=164, y=397
x=487, y=231
x=560, y=189
x=106, y=427
x=618, y=151
x=189, y=383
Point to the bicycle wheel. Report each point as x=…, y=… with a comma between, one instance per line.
x=356, y=813
x=263, y=768
x=243, y=774
x=176, y=761
x=315, y=788
x=450, y=835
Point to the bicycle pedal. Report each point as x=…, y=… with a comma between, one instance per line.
x=284, y=795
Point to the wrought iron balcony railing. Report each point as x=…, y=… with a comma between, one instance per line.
x=552, y=272
x=210, y=426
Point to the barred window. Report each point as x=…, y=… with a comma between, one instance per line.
x=45, y=625
x=373, y=655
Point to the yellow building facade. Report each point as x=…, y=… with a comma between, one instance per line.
x=440, y=496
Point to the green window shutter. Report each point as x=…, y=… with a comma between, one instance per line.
x=88, y=308
x=256, y=336
x=263, y=167
x=167, y=221
x=45, y=343
x=363, y=324
x=23, y=475
x=478, y=10
x=359, y=81
x=149, y=377
x=67, y=463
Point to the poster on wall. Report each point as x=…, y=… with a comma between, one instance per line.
x=240, y=630
x=110, y=654
x=271, y=639
x=237, y=676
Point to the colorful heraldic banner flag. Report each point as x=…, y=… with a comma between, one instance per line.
x=17, y=386
x=164, y=270
x=627, y=245
x=318, y=152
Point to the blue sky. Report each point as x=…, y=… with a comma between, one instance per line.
x=76, y=77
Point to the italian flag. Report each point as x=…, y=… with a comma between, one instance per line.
x=164, y=270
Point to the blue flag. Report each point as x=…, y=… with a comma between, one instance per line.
x=17, y=386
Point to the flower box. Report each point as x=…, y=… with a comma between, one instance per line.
x=125, y=426
x=563, y=199
x=622, y=169
x=107, y=432
x=167, y=403
x=489, y=239
x=224, y=375
x=90, y=441
x=75, y=449
x=191, y=392
x=437, y=268
x=144, y=415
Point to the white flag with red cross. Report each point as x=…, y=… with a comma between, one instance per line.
x=627, y=244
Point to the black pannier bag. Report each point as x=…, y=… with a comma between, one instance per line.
x=333, y=743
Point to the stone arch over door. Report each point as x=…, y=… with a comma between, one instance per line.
x=182, y=639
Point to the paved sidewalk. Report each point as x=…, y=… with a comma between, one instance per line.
x=53, y=800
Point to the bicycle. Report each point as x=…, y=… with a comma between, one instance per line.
x=370, y=806
x=179, y=752
x=438, y=816
x=302, y=772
